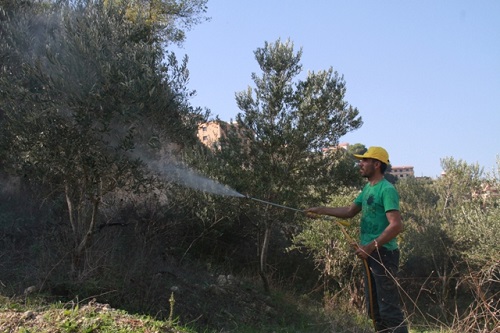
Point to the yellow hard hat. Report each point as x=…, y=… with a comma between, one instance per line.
x=377, y=153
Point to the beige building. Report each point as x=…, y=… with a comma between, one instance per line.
x=210, y=133
x=402, y=171
x=342, y=145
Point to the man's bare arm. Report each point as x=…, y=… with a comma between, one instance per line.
x=340, y=212
x=394, y=228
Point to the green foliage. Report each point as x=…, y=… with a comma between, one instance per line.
x=333, y=254
x=458, y=183
x=469, y=211
x=80, y=97
x=450, y=243
x=283, y=127
x=449, y=215
x=163, y=21
x=418, y=204
x=357, y=148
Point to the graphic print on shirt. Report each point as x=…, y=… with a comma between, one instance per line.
x=370, y=209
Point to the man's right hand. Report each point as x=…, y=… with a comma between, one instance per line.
x=312, y=213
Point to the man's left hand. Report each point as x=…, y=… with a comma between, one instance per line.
x=364, y=251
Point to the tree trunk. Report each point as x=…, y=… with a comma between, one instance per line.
x=263, y=257
x=82, y=227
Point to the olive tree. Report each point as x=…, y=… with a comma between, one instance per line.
x=449, y=243
x=79, y=97
x=275, y=149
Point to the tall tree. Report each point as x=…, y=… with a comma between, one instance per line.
x=275, y=150
x=78, y=97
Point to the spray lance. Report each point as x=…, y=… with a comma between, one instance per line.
x=342, y=223
x=274, y=204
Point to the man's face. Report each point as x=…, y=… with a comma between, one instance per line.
x=367, y=167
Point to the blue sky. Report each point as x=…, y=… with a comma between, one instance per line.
x=424, y=75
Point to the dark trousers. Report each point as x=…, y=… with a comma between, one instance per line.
x=387, y=311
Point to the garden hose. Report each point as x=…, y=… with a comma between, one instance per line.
x=355, y=245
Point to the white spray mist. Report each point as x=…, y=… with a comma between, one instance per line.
x=178, y=173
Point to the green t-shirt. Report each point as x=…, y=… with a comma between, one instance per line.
x=375, y=201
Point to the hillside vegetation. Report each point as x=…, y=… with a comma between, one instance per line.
x=109, y=201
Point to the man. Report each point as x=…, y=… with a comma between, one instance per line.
x=380, y=224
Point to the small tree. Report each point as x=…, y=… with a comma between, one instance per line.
x=275, y=151
x=449, y=240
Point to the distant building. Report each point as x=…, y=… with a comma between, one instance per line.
x=211, y=132
x=342, y=145
x=402, y=171
x=487, y=192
